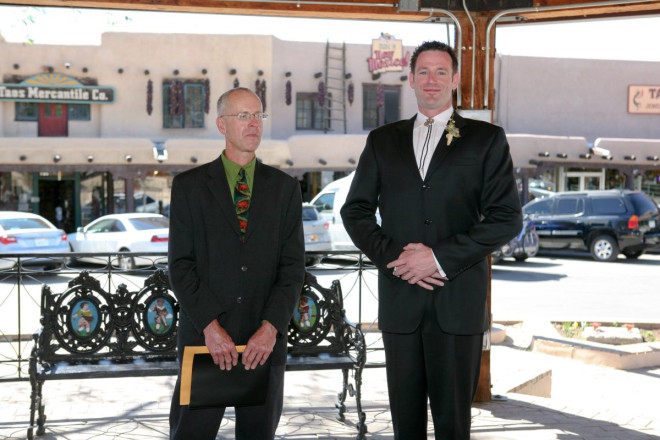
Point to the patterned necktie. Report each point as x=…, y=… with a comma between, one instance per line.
x=242, y=202
x=425, y=148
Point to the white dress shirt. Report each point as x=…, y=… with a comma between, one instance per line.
x=423, y=158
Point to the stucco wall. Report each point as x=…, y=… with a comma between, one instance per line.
x=189, y=54
x=573, y=97
x=162, y=54
x=303, y=60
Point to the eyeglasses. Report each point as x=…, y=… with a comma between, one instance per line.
x=245, y=116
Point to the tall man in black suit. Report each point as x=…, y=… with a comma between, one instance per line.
x=447, y=198
x=237, y=283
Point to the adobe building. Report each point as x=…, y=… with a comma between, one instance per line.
x=594, y=124
x=78, y=123
x=87, y=126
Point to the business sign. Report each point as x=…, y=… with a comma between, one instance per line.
x=387, y=55
x=55, y=87
x=644, y=99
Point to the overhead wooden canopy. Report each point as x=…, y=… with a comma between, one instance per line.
x=407, y=10
x=475, y=28
x=475, y=21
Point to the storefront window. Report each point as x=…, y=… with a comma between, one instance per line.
x=651, y=184
x=309, y=112
x=27, y=111
x=78, y=112
x=16, y=191
x=381, y=105
x=183, y=104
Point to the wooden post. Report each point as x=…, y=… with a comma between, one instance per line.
x=472, y=98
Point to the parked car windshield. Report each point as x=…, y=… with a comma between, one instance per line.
x=10, y=224
x=143, y=223
x=643, y=204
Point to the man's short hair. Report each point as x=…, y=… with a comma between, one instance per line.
x=434, y=45
x=222, y=100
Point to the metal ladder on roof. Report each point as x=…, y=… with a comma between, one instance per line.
x=334, y=102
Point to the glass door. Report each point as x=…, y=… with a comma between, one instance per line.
x=584, y=180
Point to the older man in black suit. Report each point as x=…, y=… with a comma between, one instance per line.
x=236, y=262
x=447, y=197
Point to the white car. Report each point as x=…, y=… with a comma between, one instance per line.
x=24, y=232
x=134, y=232
x=328, y=203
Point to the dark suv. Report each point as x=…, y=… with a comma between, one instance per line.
x=602, y=222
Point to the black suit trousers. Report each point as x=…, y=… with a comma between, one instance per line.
x=252, y=422
x=429, y=365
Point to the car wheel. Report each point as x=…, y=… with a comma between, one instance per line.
x=521, y=257
x=312, y=261
x=72, y=261
x=531, y=244
x=126, y=262
x=633, y=255
x=604, y=248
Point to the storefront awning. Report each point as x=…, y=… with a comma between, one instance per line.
x=326, y=152
x=531, y=151
x=644, y=152
x=191, y=152
x=531, y=154
x=66, y=151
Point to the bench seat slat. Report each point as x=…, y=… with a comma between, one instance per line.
x=135, y=369
x=138, y=369
x=321, y=362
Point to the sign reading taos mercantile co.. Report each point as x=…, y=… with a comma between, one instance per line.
x=644, y=99
x=55, y=87
x=387, y=55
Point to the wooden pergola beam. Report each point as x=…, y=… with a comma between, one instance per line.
x=353, y=9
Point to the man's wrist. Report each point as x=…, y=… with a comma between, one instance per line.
x=267, y=324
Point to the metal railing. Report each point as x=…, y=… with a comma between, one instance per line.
x=23, y=275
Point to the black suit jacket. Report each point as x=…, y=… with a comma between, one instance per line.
x=465, y=208
x=216, y=276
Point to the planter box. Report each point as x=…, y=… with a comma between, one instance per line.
x=622, y=357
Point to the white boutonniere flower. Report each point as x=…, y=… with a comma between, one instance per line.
x=452, y=131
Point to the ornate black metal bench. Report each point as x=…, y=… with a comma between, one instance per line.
x=89, y=333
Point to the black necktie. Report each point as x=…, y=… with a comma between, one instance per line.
x=425, y=148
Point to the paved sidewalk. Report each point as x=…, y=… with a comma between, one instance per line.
x=587, y=403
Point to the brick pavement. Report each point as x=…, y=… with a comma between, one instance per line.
x=587, y=403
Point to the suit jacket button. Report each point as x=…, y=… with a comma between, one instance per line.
x=426, y=187
x=239, y=300
x=244, y=268
x=428, y=222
